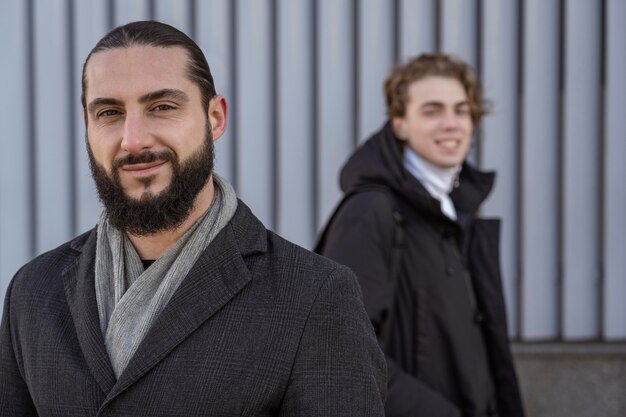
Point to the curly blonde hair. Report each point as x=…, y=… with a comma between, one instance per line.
x=397, y=83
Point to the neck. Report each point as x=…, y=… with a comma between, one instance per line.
x=153, y=246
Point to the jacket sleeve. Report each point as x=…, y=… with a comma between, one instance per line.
x=15, y=399
x=361, y=237
x=339, y=370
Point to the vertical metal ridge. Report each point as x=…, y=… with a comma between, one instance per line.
x=151, y=9
x=31, y=92
x=561, y=160
x=72, y=136
x=275, y=119
x=356, y=94
x=315, y=134
x=234, y=90
x=111, y=14
x=478, y=41
x=438, y=25
x=191, y=21
x=519, y=220
x=395, y=27
x=602, y=192
x=517, y=137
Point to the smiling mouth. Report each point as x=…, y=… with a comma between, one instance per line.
x=448, y=143
x=143, y=169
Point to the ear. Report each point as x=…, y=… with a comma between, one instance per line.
x=218, y=116
x=399, y=128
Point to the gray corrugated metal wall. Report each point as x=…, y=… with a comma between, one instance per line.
x=303, y=78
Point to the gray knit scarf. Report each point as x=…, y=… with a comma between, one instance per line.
x=130, y=298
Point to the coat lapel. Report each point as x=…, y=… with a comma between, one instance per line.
x=78, y=281
x=218, y=275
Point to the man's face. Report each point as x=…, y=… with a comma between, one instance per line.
x=149, y=138
x=437, y=124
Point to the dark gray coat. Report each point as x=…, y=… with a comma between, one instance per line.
x=447, y=351
x=259, y=327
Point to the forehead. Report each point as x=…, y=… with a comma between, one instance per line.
x=136, y=70
x=437, y=88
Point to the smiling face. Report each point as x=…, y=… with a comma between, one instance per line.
x=149, y=136
x=437, y=123
x=140, y=101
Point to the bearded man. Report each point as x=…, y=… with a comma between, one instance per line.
x=179, y=302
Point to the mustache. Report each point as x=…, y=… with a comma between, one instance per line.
x=144, y=158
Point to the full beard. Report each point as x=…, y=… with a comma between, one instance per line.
x=154, y=213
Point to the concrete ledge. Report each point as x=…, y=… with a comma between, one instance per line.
x=572, y=379
x=576, y=349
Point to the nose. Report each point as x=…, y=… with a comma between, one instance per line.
x=450, y=121
x=137, y=137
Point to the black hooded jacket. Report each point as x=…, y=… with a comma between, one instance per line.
x=447, y=351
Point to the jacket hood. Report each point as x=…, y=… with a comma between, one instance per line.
x=378, y=161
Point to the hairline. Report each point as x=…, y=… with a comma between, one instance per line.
x=433, y=65
x=187, y=71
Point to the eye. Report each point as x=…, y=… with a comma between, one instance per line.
x=107, y=113
x=431, y=112
x=463, y=111
x=163, y=107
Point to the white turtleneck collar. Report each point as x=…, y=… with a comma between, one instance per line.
x=438, y=181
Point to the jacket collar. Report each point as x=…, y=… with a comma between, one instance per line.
x=379, y=161
x=218, y=275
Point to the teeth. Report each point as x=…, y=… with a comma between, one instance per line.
x=448, y=143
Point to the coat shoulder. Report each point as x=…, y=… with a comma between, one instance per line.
x=368, y=204
x=281, y=268
x=372, y=210
x=298, y=262
x=48, y=267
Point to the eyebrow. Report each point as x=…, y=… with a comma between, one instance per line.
x=99, y=102
x=169, y=93
x=440, y=104
x=164, y=93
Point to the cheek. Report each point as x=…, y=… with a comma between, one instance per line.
x=420, y=141
x=469, y=126
x=187, y=142
x=424, y=132
x=105, y=136
x=101, y=152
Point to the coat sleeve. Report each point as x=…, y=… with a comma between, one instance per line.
x=15, y=399
x=361, y=237
x=339, y=370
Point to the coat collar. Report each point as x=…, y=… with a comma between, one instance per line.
x=218, y=275
x=379, y=161
x=78, y=282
